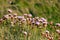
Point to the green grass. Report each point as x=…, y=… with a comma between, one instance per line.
x=49, y=9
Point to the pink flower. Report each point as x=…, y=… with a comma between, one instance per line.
x=43, y=19
x=57, y=24
x=10, y=15
x=29, y=15
x=58, y=31
x=37, y=23
x=5, y=17
x=15, y=15
x=9, y=10
x=45, y=24
x=47, y=31
x=25, y=15
x=1, y=20
x=20, y=17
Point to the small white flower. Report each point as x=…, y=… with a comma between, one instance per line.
x=24, y=32
x=47, y=31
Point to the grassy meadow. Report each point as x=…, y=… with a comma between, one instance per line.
x=48, y=9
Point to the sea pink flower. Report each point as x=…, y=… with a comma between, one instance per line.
x=45, y=24
x=37, y=23
x=43, y=19
x=47, y=31
x=14, y=15
x=29, y=15
x=58, y=31
x=1, y=20
x=9, y=10
x=5, y=17
x=20, y=17
x=57, y=24
x=25, y=15
x=9, y=15
x=23, y=20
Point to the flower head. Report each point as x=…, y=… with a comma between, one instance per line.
x=9, y=10
x=57, y=24
x=58, y=31
x=29, y=15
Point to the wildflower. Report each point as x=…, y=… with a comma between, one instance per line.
x=5, y=17
x=50, y=38
x=9, y=15
x=43, y=19
x=29, y=20
x=20, y=17
x=9, y=10
x=47, y=31
x=1, y=20
x=40, y=20
x=58, y=31
x=25, y=15
x=24, y=32
x=57, y=24
x=29, y=15
x=33, y=22
x=37, y=23
x=44, y=24
x=23, y=20
x=14, y=15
